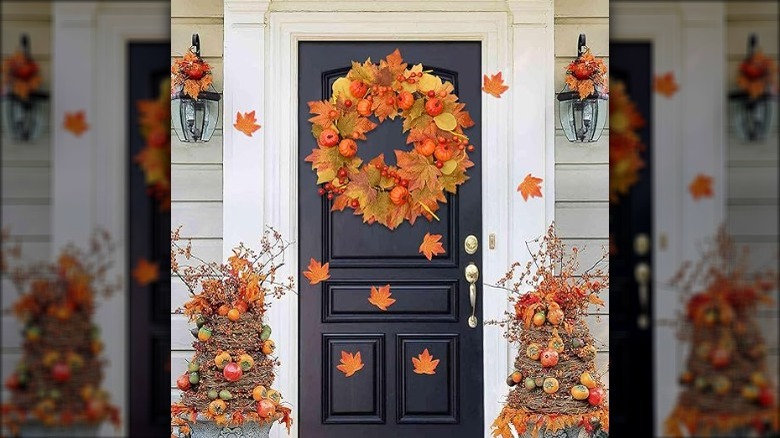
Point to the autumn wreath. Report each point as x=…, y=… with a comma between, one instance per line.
x=432, y=116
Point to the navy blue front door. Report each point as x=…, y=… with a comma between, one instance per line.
x=387, y=399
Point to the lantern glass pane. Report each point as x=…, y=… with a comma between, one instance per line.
x=23, y=120
x=582, y=120
x=752, y=120
x=194, y=120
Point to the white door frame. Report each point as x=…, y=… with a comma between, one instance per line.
x=260, y=173
x=688, y=138
x=89, y=184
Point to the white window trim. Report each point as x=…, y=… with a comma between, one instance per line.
x=260, y=184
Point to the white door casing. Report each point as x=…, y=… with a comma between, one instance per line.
x=688, y=138
x=89, y=173
x=260, y=172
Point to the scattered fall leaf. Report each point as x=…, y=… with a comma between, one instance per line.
x=146, y=272
x=380, y=297
x=424, y=363
x=431, y=245
x=246, y=123
x=76, y=122
x=665, y=84
x=317, y=272
x=701, y=187
x=350, y=363
x=494, y=85
x=530, y=187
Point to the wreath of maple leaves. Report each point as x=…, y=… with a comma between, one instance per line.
x=155, y=158
x=190, y=74
x=413, y=187
x=596, y=80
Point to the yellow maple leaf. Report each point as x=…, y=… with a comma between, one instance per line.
x=431, y=245
x=75, y=122
x=317, y=272
x=350, y=363
x=424, y=363
x=494, y=85
x=146, y=272
x=246, y=123
x=380, y=297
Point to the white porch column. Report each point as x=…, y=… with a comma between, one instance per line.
x=244, y=61
x=72, y=78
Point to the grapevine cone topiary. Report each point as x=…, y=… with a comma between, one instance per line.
x=229, y=380
x=726, y=386
x=556, y=390
x=56, y=384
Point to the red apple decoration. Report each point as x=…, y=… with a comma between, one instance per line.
x=266, y=408
x=195, y=71
x=549, y=358
x=60, y=372
x=720, y=357
x=12, y=382
x=766, y=398
x=232, y=371
x=751, y=70
x=183, y=382
x=25, y=71
x=596, y=396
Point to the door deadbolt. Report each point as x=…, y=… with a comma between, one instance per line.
x=471, y=244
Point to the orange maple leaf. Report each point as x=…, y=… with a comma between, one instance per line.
x=380, y=297
x=431, y=245
x=701, y=187
x=665, y=84
x=246, y=123
x=146, y=272
x=76, y=123
x=530, y=187
x=317, y=272
x=426, y=364
x=494, y=85
x=350, y=364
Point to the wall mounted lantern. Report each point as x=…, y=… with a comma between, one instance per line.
x=25, y=107
x=582, y=104
x=752, y=107
x=194, y=101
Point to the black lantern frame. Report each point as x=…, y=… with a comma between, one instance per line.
x=582, y=120
x=24, y=118
x=752, y=117
x=195, y=120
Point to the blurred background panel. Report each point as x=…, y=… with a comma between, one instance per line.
x=697, y=174
x=97, y=61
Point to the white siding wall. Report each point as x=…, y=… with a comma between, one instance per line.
x=751, y=168
x=26, y=175
x=581, y=170
x=196, y=169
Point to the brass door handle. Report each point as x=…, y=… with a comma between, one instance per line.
x=472, y=275
x=642, y=277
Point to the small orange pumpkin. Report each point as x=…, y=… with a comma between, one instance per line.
x=217, y=407
x=580, y=392
x=234, y=314
x=222, y=359
x=555, y=316
x=268, y=347
x=533, y=351
x=259, y=392
x=364, y=107
x=550, y=385
x=399, y=195
x=427, y=147
x=347, y=148
x=223, y=310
